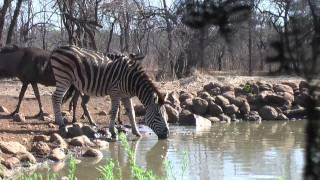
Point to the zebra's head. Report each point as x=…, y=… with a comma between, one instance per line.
x=156, y=118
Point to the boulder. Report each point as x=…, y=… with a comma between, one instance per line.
x=253, y=116
x=12, y=162
x=293, y=85
x=89, y=131
x=139, y=110
x=57, y=154
x=214, y=109
x=173, y=114
x=224, y=118
x=90, y=152
x=282, y=88
x=229, y=95
x=231, y=109
x=187, y=104
x=190, y=119
x=19, y=117
x=281, y=116
x=43, y=138
x=101, y=144
x=204, y=95
x=74, y=131
x=244, y=107
x=12, y=147
x=26, y=157
x=227, y=88
x=268, y=113
x=213, y=119
x=297, y=112
x=173, y=97
x=304, y=85
x=102, y=113
x=81, y=141
x=222, y=101
x=212, y=85
x=199, y=106
x=4, y=110
x=58, y=141
x=184, y=96
x=302, y=99
x=41, y=148
x=283, y=99
x=263, y=86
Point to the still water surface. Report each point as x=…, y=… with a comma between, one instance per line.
x=246, y=150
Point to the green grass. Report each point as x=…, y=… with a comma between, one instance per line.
x=112, y=171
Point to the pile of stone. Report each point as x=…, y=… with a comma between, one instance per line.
x=253, y=101
x=54, y=147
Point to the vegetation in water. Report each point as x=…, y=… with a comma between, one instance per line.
x=112, y=171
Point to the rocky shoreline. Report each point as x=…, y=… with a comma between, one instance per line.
x=216, y=102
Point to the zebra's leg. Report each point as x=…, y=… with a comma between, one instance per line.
x=57, y=96
x=37, y=94
x=74, y=102
x=84, y=104
x=21, y=95
x=127, y=102
x=115, y=102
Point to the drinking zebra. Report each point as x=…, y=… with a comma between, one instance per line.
x=122, y=79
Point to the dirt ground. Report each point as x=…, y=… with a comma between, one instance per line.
x=24, y=132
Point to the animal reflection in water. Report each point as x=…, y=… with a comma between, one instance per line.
x=155, y=157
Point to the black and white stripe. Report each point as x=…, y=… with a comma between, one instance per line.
x=96, y=75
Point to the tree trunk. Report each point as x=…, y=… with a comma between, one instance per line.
x=3, y=12
x=13, y=22
x=110, y=36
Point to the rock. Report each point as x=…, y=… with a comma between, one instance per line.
x=184, y=96
x=245, y=107
x=214, y=109
x=41, y=148
x=214, y=119
x=199, y=106
x=304, y=85
x=285, y=99
x=224, y=118
x=204, y=95
x=222, y=101
x=57, y=140
x=81, y=141
x=253, y=116
x=281, y=116
x=212, y=85
x=19, y=117
x=12, y=162
x=263, y=86
x=187, y=104
x=26, y=157
x=173, y=97
x=92, y=153
x=89, y=131
x=12, y=147
x=303, y=99
x=173, y=114
x=231, y=109
x=298, y=113
x=51, y=125
x=229, y=95
x=4, y=110
x=139, y=110
x=189, y=119
x=43, y=138
x=57, y=154
x=101, y=144
x=74, y=131
x=293, y=85
x=65, y=113
x=268, y=113
x=103, y=113
x=282, y=88
x=227, y=88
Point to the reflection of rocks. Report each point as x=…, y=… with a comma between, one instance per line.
x=90, y=152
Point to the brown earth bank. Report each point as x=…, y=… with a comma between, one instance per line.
x=193, y=100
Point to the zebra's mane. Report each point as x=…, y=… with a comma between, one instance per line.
x=145, y=77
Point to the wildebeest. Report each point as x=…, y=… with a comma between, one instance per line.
x=31, y=66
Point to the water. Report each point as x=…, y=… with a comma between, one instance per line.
x=246, y=150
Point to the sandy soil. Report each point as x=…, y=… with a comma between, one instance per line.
x=24, y=132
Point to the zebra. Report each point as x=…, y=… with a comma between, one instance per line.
x=75, y=94
x=95, y=75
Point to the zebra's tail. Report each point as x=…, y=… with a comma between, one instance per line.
x=69, y=94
